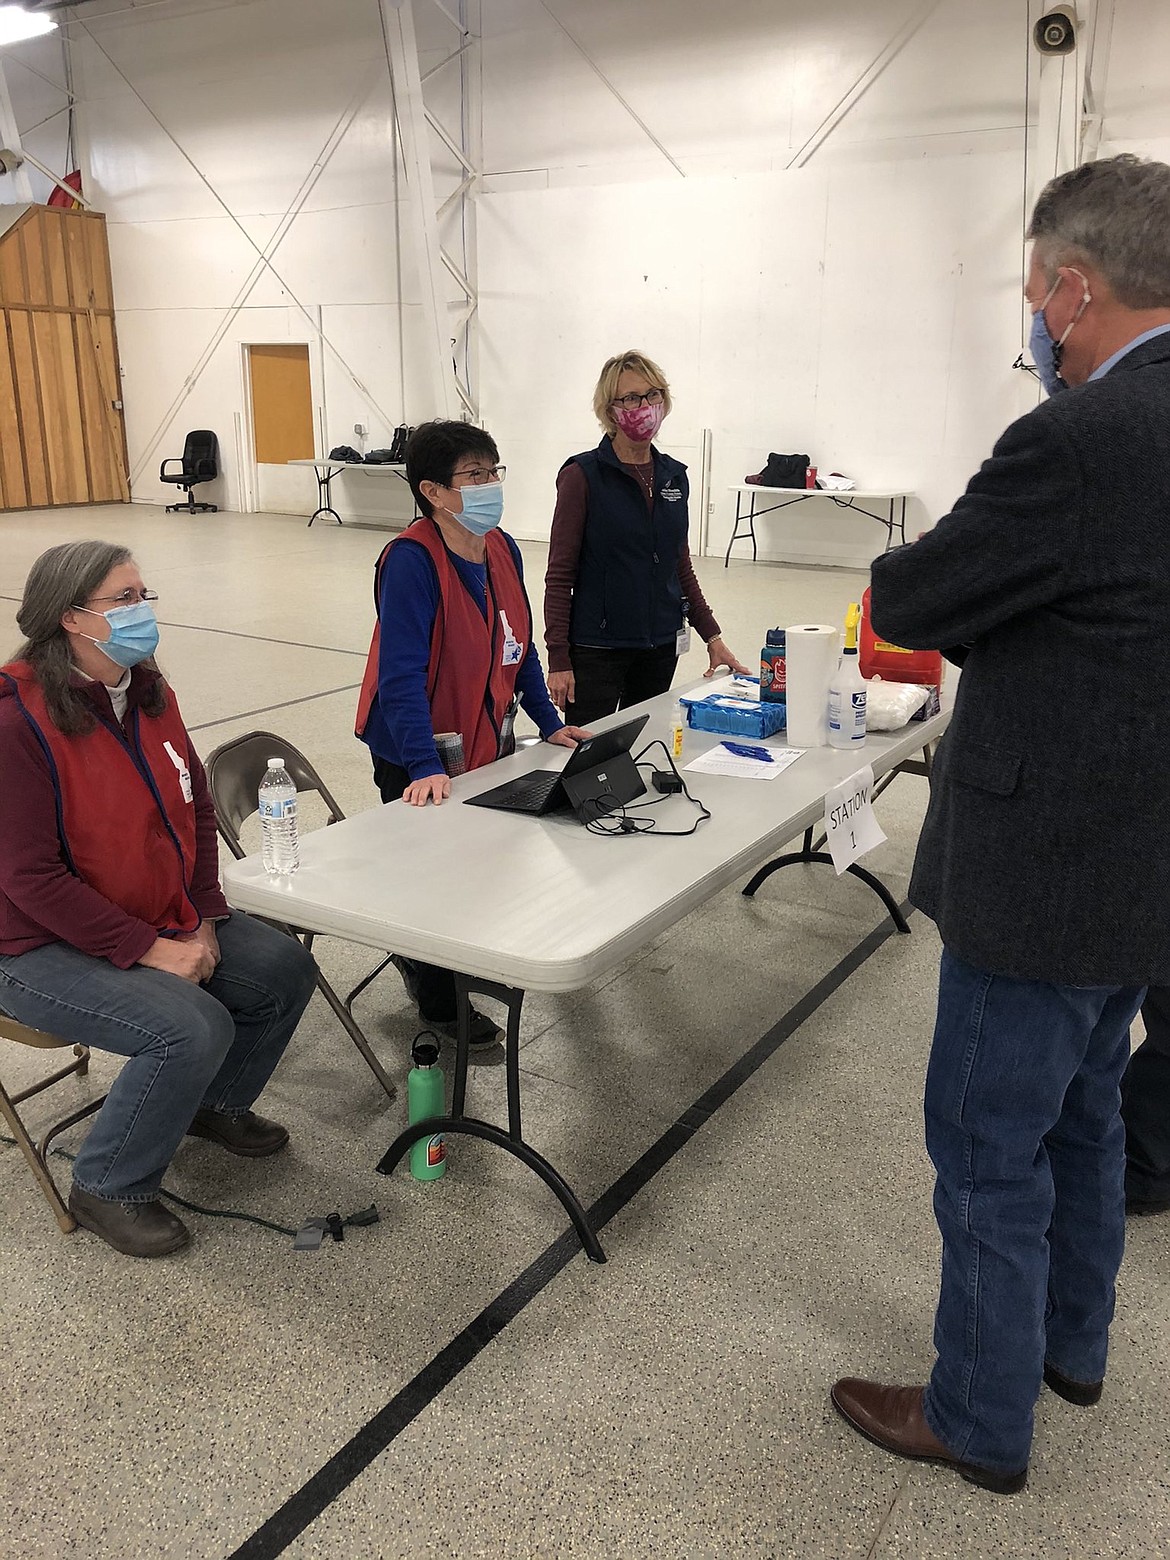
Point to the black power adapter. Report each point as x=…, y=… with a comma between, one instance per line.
x=666, y=781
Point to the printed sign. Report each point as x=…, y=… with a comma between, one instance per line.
x=851, y=828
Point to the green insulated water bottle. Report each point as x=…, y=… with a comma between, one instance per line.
x=424, y=1099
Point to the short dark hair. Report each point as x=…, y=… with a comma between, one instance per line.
x=435, y=448
x=1114, y=214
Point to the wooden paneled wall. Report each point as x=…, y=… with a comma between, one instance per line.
x=62, y=439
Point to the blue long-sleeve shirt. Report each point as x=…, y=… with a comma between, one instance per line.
x=399, y=727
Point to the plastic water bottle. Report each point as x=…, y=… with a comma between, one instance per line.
x=278, y=820
x=424, y=1099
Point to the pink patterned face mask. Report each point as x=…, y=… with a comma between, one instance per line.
x=639, y=424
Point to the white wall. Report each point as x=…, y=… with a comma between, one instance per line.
x=214, y=133
x=865, y=307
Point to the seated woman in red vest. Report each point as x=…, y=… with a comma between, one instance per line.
x=452, y=650
x=113, y=929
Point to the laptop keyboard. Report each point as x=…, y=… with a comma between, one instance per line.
x=528, y=791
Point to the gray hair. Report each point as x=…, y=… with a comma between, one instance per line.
x=62, y=578
x=1115, y=216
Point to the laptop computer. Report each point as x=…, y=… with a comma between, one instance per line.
x=599, y=777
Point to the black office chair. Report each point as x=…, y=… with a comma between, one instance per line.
x=200, y=463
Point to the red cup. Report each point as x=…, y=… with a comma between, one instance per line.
x=810, y=477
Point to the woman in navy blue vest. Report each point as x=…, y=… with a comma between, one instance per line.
x=620, y=592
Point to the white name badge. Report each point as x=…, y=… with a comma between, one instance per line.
x=851, y=828
x=682, y=640
x=183, y=772
x=513, y=652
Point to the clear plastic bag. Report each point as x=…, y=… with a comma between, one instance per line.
x=891, y=705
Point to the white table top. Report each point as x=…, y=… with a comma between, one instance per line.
x=397, y=467
x=541, y=903
x=759, y=487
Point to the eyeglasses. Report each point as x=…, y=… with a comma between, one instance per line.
x=129, y=597
x=476, y=476
x=633, y=401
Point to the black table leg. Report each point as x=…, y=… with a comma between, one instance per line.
x=511, y=1141
x=807, y=856
x=325, y=495
x=735, y=530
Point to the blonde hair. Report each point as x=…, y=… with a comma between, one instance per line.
x=636, y=363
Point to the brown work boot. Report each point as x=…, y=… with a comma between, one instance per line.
x=251, y=1136
x=136, y=1229
x=892, y=1418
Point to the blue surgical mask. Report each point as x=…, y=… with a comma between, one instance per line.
x=133, y=633
x=1047, y=353
x=483, y=507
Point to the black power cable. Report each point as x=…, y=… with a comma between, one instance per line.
x=331, y=1223
x=618, y=819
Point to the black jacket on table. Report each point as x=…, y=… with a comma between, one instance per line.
x=1045, y=854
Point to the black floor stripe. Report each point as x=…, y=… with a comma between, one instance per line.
x=304, y=1506
x=267, y=709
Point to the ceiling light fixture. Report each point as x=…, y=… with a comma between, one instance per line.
x=17, y=24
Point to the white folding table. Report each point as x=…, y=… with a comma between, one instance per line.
x=326, y=470
x=894, y=518
x=512, y=902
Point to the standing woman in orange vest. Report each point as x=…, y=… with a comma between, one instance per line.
x=114, y=931
x=452, y=651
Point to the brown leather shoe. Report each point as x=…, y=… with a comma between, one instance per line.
x=249, y=1135
x=136, y=1229
x=892, y=1418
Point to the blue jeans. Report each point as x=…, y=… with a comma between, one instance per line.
x=1023, y=1127
x=187, y=1046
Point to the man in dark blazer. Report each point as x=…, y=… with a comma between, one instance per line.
x=1045, y=856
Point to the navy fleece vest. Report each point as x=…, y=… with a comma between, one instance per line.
x=627, y=595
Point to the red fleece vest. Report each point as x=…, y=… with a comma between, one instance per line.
x=468, y=686
x=125, y=826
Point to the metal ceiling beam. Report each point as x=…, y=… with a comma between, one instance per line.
x=450, y=321
x=402, y=58
x=1096, y=79
x=863, y=83
x=20, y=187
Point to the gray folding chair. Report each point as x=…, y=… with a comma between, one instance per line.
x=234, y=773
x=37, y=1154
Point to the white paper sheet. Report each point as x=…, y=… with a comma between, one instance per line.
x=718, y=761
x=851, y=828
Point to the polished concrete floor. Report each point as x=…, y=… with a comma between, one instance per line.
x=457, y=1380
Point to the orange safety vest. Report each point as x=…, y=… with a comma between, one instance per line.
x=469, y=687
x=125, y=817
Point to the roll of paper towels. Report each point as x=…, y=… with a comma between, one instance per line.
x=811, y=656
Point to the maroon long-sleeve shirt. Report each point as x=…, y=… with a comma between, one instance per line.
x=41, y=901
x=564, y=554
